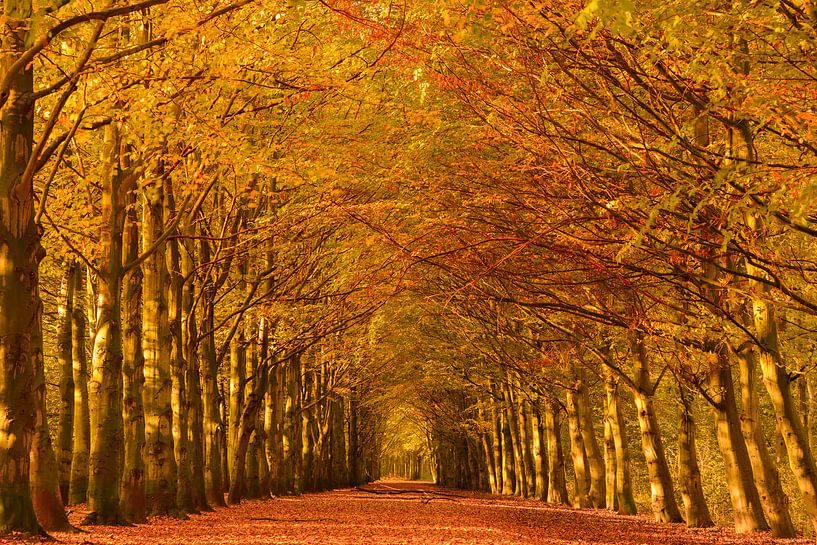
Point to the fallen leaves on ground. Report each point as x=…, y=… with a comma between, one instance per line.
x=394, y=512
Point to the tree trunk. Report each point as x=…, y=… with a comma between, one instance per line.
x=774, y=499
x=273, y=422
x=225, y=472
x=296, y=379
x=20, y=254
x=340, y=471
x=249, y=417
x=595, y=460
x=250, y=460
x=746, y=507
x=178, y=363
x=811, y=402
x=695, y=508
x=44, y=484
x=292, y=427
x=195, y=407
x=238, y=377
x=664, y=506
x=623, y=485
x=520, y=482
x=78, y=489
x=65, y=429
x=611, y=501
x=577, y=451
x=487, y=450
x=508, y=463
x=307, y=433
x=540, y=458
x=557, y=487
x=260, y=424
x=208, y=361
x=523, y=414
x=105, y=388
x=497, y=443
x=160, y=462
x=778, y=384
x=354, y=447
x=132, y=497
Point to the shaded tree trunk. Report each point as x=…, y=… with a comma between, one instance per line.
x=487, y=451
x=250, y=460
x=540, y=457
x=208, y=361
x=695, y=509
x=78, y=489
x=577, y=451
x=273, y=422
x=260, y=424
x=497, y=442
x=178, y=363
x=247, y=423
x=520, y=483
x=557, y=487
x=65, y=429
x=595, y=461
x=340, y=471
x=195, y=407
x=523, y=414
x=623, y=484
x=44, y=483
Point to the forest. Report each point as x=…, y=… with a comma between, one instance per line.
x=560, y=250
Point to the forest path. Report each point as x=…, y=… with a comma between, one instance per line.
x=393, y=512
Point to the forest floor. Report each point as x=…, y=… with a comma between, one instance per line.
x=393, y=512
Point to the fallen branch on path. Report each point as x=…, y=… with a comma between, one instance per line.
x=409, y=491
x=269, y=519
x=428, y=500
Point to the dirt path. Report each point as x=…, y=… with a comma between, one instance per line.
x=401, y=512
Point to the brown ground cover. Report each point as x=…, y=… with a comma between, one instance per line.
x=406, y=513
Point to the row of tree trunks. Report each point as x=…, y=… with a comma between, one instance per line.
x=141, y=433
x=408, y=465
x=145, y=430
x=317, y=414
x=519, y=432
x=599, y=480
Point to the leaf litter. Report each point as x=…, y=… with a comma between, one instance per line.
x=394, y=512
